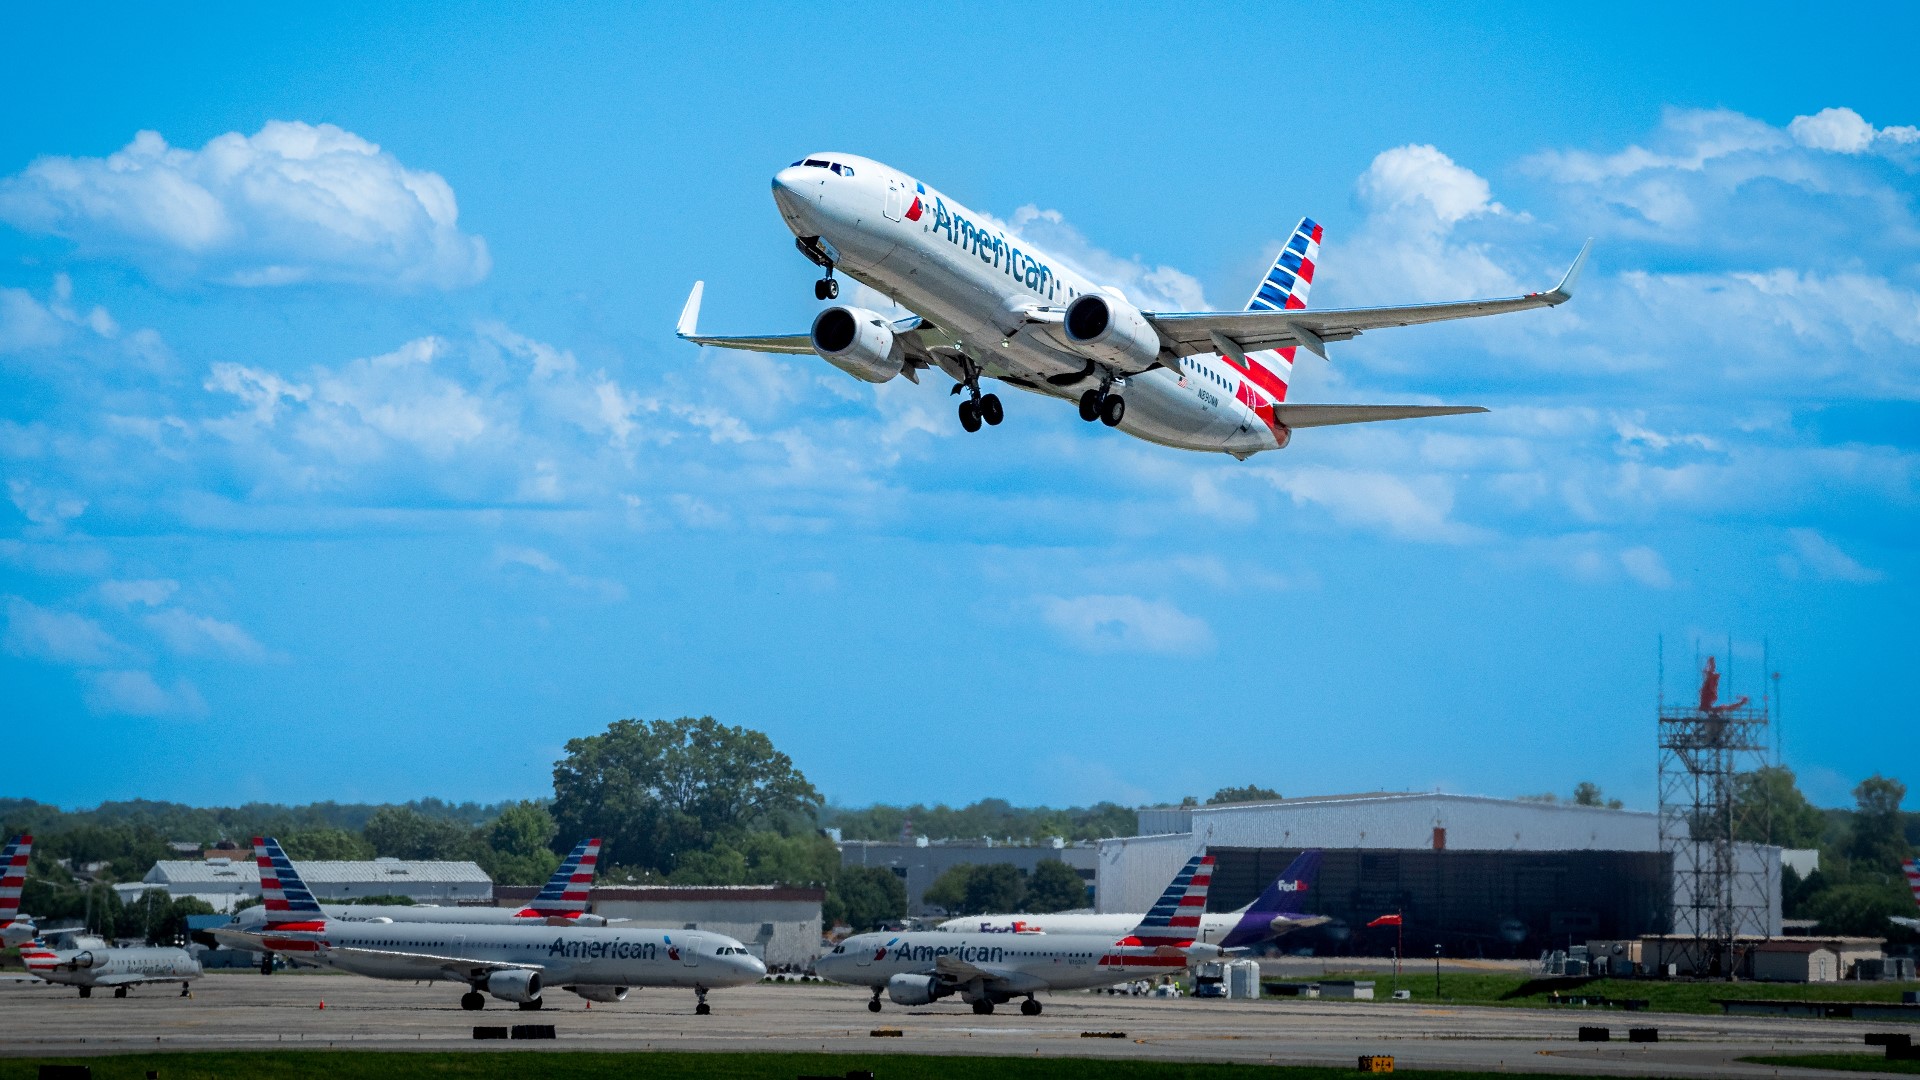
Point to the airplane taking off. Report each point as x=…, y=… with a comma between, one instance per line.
x=987, y=305
x=1275, y=912
x=921, y=967
x=513, y=961
x=15, y=928
x=562, y=900
x=96, y=965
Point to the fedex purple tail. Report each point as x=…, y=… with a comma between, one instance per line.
x=1282, y=907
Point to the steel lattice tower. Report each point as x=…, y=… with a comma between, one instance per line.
x=1721, y=886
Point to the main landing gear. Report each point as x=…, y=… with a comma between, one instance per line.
x=701, y=1009
x=1030, y=1007
x=530, y=1006
x=978, y=408
x=266, y=964
x=119, y=991
x=86, y=991
x=473, y=1001
x=874, y=1005
x=983, y=1007
x=1102, y=405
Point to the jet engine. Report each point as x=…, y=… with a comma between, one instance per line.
x=601, y=993
x=81, y=960
x=858, y=342
x=914, y=989
x=514, y=985
x=1112, y=331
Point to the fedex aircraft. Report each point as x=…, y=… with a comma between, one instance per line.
x=15, y=928
x=514, y=961
x=1275, y=912
x=991, y=969
x=987, y=305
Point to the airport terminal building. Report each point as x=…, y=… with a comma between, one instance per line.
x=1475, y=876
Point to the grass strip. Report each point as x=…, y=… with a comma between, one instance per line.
x=1874, y=1062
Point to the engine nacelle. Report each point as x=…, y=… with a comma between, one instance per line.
x=514, y=985
x=1112, y=331
x=82, y=960
x=914, y=989
x=601, y=993
x=858, y=342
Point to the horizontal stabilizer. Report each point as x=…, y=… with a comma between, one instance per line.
x=1306, y=416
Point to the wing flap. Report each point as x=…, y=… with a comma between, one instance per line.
x=1306, y=416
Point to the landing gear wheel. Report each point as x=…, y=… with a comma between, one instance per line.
x=119, y=991
x=969, y=416
x=266, y=964
x=826, y=289
x=702, y=1009
x=86, y=991
x=1113, y=410
x=530, y=1006
x=874, y=1005
x=983, y=1008
x=991, y=411
x=1090, y=406
x=473, y=1001
x=833, y=289
x=1029, y=1007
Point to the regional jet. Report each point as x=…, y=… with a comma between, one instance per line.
x=1273, y=913
x=513, y=962
x=93, y=964
x=985, y=970
x=986, y=304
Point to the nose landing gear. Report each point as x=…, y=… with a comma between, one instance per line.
x=874, y=1005
x=702, y=1008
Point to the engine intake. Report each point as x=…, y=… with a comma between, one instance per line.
x=514, y=985
x=859, y=342
x=1113, y=331
x=914, y=989
x=601, y=993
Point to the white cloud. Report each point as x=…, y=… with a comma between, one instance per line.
x=42, y=507
x=1413, y=507
x=508, y=556
x=294, y=202
x=1153, y=287
x=1825, y=559
x=200, y=635
x=1421, y=182
x=151, y=593
x=1843, y=131
x=1125, y=624
x=1644, y=565
x=60, y=637
x=135, y=693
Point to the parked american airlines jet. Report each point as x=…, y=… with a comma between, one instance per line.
x=988, y=305
x=15, y=928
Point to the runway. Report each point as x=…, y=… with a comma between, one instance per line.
x=241, y=1011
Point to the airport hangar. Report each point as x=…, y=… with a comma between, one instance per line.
x=1475, y=876
x=226, y=881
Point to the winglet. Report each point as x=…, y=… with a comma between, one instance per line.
x=690, y=315
x=1563, y=292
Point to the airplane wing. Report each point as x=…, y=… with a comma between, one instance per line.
x=919, y=337
x=1186, y=333
x=131, y=978
x=1911, y=924
x=430, y=966
x=1003, y=979
x=1305, y=416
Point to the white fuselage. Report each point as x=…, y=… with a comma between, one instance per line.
x=1213, y=926
x=100, y=967
x=961, y=271
x=1018, y=963
x=255, y=918
x=584, y=956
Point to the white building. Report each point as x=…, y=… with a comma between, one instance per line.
x=226, y=882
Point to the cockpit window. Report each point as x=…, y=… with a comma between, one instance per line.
x=797, y=164
x=814, y=163
x=846, y=170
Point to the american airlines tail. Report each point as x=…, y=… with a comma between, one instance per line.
x=13, y=875
x=565, y=894
x=1284, y=288
x=282, y=892
x=1175, y=919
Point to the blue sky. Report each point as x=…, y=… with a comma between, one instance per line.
x=348, y=452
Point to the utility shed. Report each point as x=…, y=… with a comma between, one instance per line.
x=1795, y=961
x=224, y=882
x=778, y=923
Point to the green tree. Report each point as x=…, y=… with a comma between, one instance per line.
x=517, y=846
x=969, y=889
x=408, y=834
x=863, y=897
x=322, y=843
x=949, y=891
x=1879, y=841
x=157, y=918
x=1769, y=809
x=656, y=790
x=1587, y=793
x=1055, y=886
x=1250, y=793
x=1858, y=908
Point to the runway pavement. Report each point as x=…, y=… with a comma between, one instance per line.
x=239, y=1011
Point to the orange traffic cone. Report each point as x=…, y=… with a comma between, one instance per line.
x=323, y=1003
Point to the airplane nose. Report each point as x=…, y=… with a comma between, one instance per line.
x=794, y=190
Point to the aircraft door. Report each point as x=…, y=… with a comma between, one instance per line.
x=690, y=951
x=896, y=198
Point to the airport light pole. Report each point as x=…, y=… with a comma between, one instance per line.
x=1436, y=971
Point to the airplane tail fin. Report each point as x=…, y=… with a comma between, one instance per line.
x=1175, y=919
x=1289, y=890
x=1284, y=288
x=13, y=875
x=284, y=895
x=1912, y=867
x=567, y=890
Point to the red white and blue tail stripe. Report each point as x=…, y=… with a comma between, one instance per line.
x=1175, y=919
x=566, y=892
x=1912, y=867
x=282, y=892
x=1268, y=372
x=13, y=875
